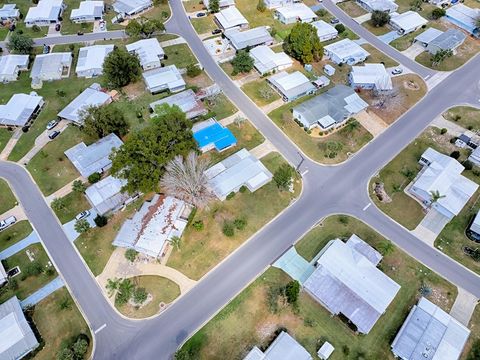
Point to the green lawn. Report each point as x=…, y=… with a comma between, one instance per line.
x=376, y=56
x=404, y=42
x=204, y=24
x=28, y=284
x=14, y=234
x=7, y=199
x=260, y=92
x=180, y=55
x=376, y=30
x=352, y=8
x=75, y=203
x=5, y=135
x=50, y=167
x=201, y=250
x=465, y=116
x=221, y=106
x=247, y=320
x=193, y=5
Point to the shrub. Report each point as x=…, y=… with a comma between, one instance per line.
x=475, y=351
x=228, y=229
x=79, y=186
x=240, y=223
x=81, y=226
x=61, y=93
x=468, y=165
x=95, y=177
x=261, y=6
x=198, y=225
x=131, y=255
x=140, y=295
x=283, y=176
x=124, y=292
x=340, y=28
x=343, y=219
x=437, y=13
x=193, y=70
x=36, y=28
x=292, y=290
x=100, y=220
x=33, y=269
x=443, y=131
x=380, y=18
x=230, y=196
x=243, y=189
x=455, y=154
x=65, y=304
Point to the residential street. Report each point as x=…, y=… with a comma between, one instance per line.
x=74, y=39
x=326, y=190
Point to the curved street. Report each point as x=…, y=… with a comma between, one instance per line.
x=326, y=190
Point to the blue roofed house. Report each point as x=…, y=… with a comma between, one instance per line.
x=465, y=18
x=210, y=134
x=284, y=347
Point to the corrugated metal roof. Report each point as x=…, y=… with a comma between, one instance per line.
x=266, y=60
x=464, y=14
x=91, y=96
x=164, y=78
x=19, y=109
x=248, y=38
x=46, y=10
x=449, y=40
x=106, y=194
x=9, y=64
x=284, y=347
x=230, y=17
x=375, y=74
x=214, y=134
x=50, y=66
x=186, y=101
x=297, y=11
x=131, y=6
x=292, y=85
x=324, y=29
x=428, y=35
x=148, y=51
x=88, y=9
x=408, y=20
x=92, y=57
x=346, y=48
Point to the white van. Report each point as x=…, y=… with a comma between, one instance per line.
x=7, y=222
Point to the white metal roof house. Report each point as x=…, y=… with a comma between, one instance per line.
x=249, y=38
x=293, y=13
x=465, y=18
x=475, y=228
x=370, y=76
x=21, y=109
x=387, y=6
x=164, y=78
x=9, y=12
x=430, y=333
x=346, y=51
x=443, y=174
x=329, y=109
x=16, y=337
x=325, y=31
x=275, y=4
x=11, y=65
x=222, y=3
x=151, y=227
x=3, y=275
x=91, y=96
x=475, y=156
x=45, y=13
x=95, y=157
x=449, y=40
x=88, y=11
x=230, y=18
x=407, y=22
x=427, y=36
x=239, y=169
x=186, y=101
x=148, y=51
x=106, y=195
x=90, y=60
x=266, y=60
x=291, y=86
x=285, y=347
x=49, y=67
x=347, y=281
x=131, y=7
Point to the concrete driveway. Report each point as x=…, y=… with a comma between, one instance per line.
x=389, y=37
x=413, y=51
x=431, y=226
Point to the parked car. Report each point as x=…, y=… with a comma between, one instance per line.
x=52, y=124
x=80, y=33
x=334, y=21
x=57, y=27
x=82, y=215
x=102, y=25
x=201, y=14
x=7, y=222
x=216, y=31
x=397, y=71
x=53, y=134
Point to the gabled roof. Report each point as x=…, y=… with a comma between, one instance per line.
x=293, y=84
x=429, y=333
x=50, y=66
x=284, y=347
x=428, y=35
x=475, y=226
x=88, y=9
x=449, y=40
x=347, y=282
x=381, y=5
x=248, y=38
x=91, y=96
x=19, y=109
x=296, y=10
x=372, y=74
x=46, y=10
x=148, y=50
x=408, y=20
x=346, y=48
x=186, y=101
x=131, y=6
x=92, y=57
x=167, y=76
x=230, y=17
x=210, y=132
x=106, y=194
x=266, y=60
x=464, y=14
x=9, y=11
x=324, y=29
x=221, y=3
x=9, y=64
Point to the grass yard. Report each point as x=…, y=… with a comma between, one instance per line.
x=247, y=320
x=404, y=42
x=14, y=234
x=474, y=327
x=426, y=11
x=260, y=92
x=50, y=167
x=352, y=8
x=179, y=55
x=28, y=283
x=376, y=56
x=58, y=325
x=204, y=24
x=5, y=136
x=160, y=11
x=7, y=199
x=465, y=116
x=376, y=30
x=162, y=291
x=193, y=5
x=397, y=174
x=228, y=68
x=75, y=203
x=221, y=106
x=202, y=250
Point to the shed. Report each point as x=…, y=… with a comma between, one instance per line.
x=329, y=69
x=325, y=351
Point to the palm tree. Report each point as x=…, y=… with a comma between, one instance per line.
x=175, y=241
x=435, y=196
x=112, y=286
x=386, y=248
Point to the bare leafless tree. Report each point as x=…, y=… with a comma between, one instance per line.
x=186, y=180
x=383, y=92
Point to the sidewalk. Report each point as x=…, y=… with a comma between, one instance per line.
x=177, y=41
x=42, y=293
x=11, y=144
x=272, y=106
x=452, y=128
x=231, y=119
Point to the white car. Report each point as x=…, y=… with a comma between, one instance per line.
x=82, y=215
x=7, y=222
x=397, y=71
x=52, y=124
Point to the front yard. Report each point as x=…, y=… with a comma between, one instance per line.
x=260, y=92
x=179, y=55
x=249, y=321
x=465, y=116
x=14, y=234
x=376, y=56
x=5, y=136
x=7, y=199
x=204, y=24
x=352, y=8
x=75, y=203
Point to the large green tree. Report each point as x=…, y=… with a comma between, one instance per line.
x=242, y=62
x=380, y=18
x=143, y=27
x=20, y=43
x=100, y=121
x=303, y=43
x=214, y=6
x=120, y=68
x=142, y=158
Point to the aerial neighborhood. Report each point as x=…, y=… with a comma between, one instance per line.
x=213, y=179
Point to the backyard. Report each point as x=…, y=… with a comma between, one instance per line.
x=248, y=320
x=14, y=234
x=7, y=199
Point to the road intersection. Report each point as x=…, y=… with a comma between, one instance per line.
x=326, y=190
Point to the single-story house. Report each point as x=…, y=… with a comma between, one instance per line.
x=9, y=12
x=239, y=169
x=11, y=65
x=475, y=156
x=346, y=51
x=284, y=347
x=131, y=7
x=90, y=60
x=45, y=13
x=430, y=333
x=248, y=38
x=230, y=18
x=106, y=196
x=164, y=78
x=154, y=225
x=21, y=109
x=3, y=275
x=407, y=22
x=17, y=338
x=52, y=66
x=325, y=31
x=187, y=102
x=387, y=6
x=441, y=3
x=291, y=86
x=442, y=174
x=449, y=40
x=221, y=3
x=88, y=11
x=370, y=77
x=91, y=96
x=266, y=60
x=465, y=18
x=293, y=13
x=210, y=134
x=427, y=36
x=95, y=157
x=329, y=69
x=275, y=4
x=473, y=230
x=330, y=109
x=346, y=281
x=148, y=51
x=321, y=82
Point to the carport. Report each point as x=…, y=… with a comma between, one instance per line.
x=294, y=265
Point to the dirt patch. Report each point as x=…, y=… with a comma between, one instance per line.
x=411, y=85
x=132, y=91
x=380, y=193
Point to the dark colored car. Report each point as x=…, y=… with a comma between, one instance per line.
x=53, y=134
x=80, y=33
x=216, y=31
x=57, y=27
x=201, y=14
x=334, y=21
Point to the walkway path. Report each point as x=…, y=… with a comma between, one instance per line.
x=231, y=119
x=263, y=149
x=177, y=41
x=10, y=144
x=464, y=306
x=67, y=189
x=19, y=246
x=272, y=106
x=43, y=292
x=16, y=211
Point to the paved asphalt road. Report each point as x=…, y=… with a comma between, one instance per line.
x=327, y=190
x=74, y=39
